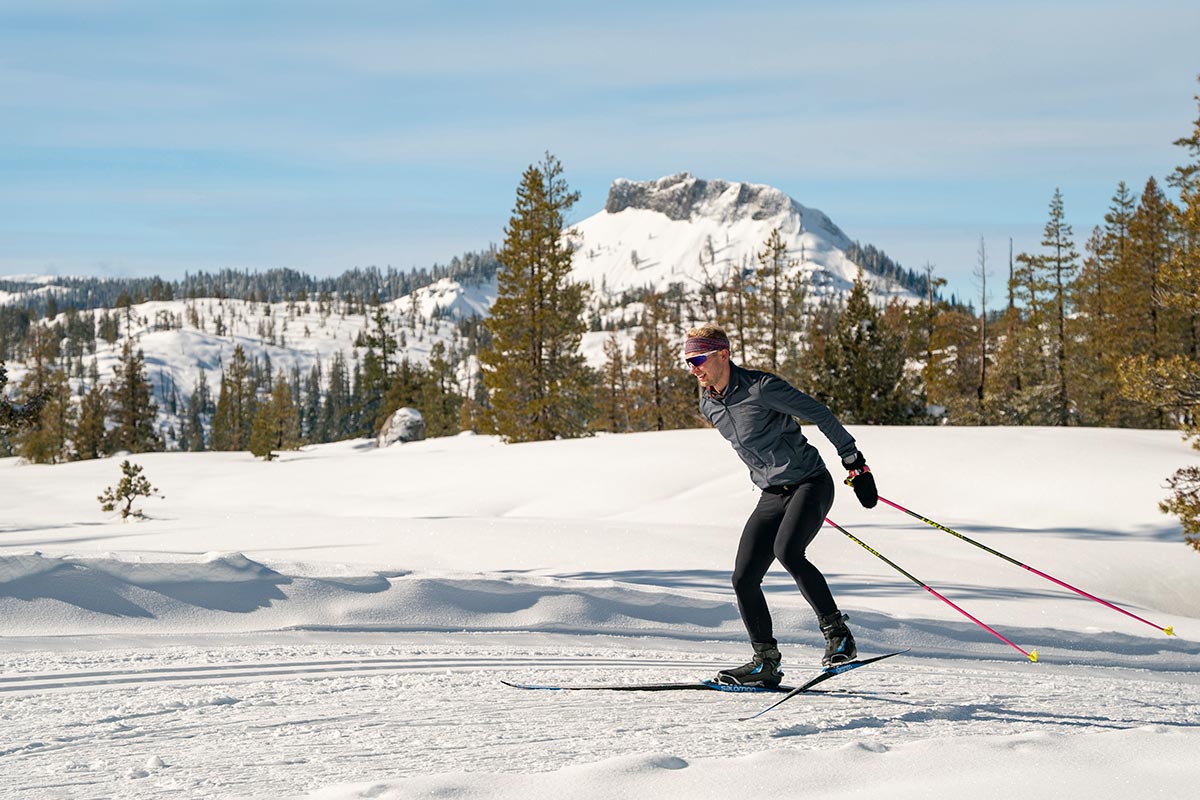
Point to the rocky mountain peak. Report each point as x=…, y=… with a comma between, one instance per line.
x=684, y=197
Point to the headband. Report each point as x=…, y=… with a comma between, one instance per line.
x=703, y=344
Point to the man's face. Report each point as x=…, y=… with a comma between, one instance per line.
x=714, y=371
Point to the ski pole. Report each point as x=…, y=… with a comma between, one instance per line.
x=1032, y=655
x=1168, y=630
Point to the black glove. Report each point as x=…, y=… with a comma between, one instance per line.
x=861, y=480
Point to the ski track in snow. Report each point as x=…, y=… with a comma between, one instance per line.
x=278, y=721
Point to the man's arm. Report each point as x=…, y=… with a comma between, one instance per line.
x=779, y=395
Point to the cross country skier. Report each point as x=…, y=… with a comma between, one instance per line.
x=756, y=412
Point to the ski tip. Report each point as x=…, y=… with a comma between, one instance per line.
x=1033, y=656
x=1169, y=630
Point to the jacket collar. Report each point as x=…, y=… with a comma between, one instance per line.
x=735, y=380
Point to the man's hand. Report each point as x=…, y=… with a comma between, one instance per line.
x=861, y=480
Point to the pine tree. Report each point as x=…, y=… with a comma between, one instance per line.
x=662, y=393
x=133, y=484
x=614, y=399
x=337, y=412
x=199, y=407
x=866, y=365
x=1174, y=380
x=376, y=367
x=951, y=376
x=47, y=439
x=236, y=405
x=1148, y=325
x=539, y=384
x=1102, y=344
x=132, y=408
x=440, y=404
x=91, y=434
x=1058, y=265
x=1031, y=364
x=775, y=324
x=276, y=422
x=310, y=409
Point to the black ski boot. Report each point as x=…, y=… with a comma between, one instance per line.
x=762, y=671
x=839, y=641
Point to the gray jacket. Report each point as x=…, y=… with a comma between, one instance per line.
x=757, y=415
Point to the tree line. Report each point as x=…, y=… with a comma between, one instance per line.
x=267, y=286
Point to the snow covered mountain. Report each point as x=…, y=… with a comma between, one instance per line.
x=675, y=230
x=679, y=227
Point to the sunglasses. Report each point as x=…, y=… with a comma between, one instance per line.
x=699, y=358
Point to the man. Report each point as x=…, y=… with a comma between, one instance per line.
x=756, y=412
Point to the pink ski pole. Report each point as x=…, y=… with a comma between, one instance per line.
x=1031, y=655
x=1168, y=630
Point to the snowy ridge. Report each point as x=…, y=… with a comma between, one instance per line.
x=181, y=339
x=229, y=592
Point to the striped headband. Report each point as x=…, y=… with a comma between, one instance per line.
x=703, y=344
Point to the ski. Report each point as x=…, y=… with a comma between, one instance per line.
x=826, y=674
x=708, y=685
x=652, y=687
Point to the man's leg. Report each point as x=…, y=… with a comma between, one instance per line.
x=755, y=554
x=806, y=510
x=756, y=551
x=807, y=506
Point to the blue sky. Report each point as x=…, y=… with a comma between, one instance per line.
x=141, y=138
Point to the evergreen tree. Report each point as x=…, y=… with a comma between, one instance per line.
x=662, y=393
x=131, y=406
x=237, y=404
x=951, y=376
x=539, y=384
x=310, y=408
x=440, y=404
x=815, y=360
x=338, y=410
x=47, y=439
x=1174, y=380
x=1151, y=328
x=376, y=367
x=133, y=484
x=614, y=393
x=1058, y=264
x=775, y=324
x=199, y=407
x=866, y=365
x=91, y=434
x=1097, y=329
x=1028, y=391
x=276, y=422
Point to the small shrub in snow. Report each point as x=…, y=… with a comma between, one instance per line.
x=131, y=486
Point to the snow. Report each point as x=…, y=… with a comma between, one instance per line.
x=335, y=624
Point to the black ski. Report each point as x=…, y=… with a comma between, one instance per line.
x=712, y=686
x=826, y=674
x=651, y=687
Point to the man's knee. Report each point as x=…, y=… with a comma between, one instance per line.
x=745, y=582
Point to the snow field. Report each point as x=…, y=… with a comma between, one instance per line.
x=336, y=624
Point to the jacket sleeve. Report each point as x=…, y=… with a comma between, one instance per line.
x=779, y=395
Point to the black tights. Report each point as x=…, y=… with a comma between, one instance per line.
x=781, y=527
